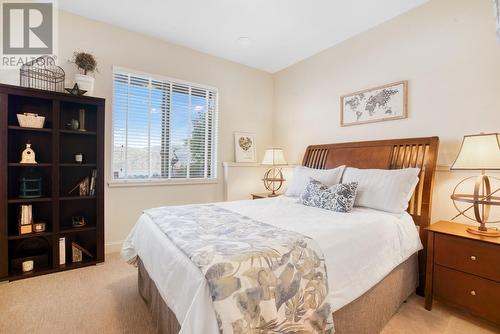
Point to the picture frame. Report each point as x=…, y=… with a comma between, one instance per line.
x=378, y=104
x=245, y=147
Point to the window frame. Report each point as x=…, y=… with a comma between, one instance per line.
x=163, y=181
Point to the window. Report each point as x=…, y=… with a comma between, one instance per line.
x=162, y=129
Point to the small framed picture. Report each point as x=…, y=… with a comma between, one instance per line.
x=383, y=103
x=244, y=147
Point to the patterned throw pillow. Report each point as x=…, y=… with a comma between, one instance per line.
x=339, y=197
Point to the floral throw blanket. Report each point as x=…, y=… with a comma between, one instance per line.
x=262, y=279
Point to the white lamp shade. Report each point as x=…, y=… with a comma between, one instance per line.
x=479, y=152
x=274, y=157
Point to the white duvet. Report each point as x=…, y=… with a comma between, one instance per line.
x=360, y=248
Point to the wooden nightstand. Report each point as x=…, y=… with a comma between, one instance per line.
x=463, y=270
x=263, y=195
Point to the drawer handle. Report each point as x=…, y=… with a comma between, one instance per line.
x=473, y=258
x=473, y=292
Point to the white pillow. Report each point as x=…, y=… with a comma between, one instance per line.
x=383, y=189
x=302, y=174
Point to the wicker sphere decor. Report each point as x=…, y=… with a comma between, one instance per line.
x=273, y=180
x=480, y=201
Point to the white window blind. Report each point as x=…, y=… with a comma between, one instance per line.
x=162, y=129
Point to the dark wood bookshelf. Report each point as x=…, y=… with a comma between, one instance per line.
x=75, y=265
x=55, y=146
x=76, y=132
x=77, y=229
x=15, y=127
x=30, y=235
x=15, y=275
x=77, y=165
x=76, y=198
x=18, y=274
x=17, y=164
x=29, y=200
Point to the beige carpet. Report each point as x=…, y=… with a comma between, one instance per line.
x=104, y=299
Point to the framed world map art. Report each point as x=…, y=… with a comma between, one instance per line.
x=377, y=104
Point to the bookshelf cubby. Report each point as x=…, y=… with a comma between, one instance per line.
x=55, y=146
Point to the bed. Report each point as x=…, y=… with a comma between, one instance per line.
x=370, y=281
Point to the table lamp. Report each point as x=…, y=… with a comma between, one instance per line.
x=479, y=152
x=273, y=178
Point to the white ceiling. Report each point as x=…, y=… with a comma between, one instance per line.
x=281, y=32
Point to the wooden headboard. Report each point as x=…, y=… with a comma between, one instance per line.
x=389, y=154
x=386, y=154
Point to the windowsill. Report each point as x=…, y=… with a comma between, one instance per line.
x=153, y=183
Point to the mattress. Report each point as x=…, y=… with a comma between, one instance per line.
x=360, y=249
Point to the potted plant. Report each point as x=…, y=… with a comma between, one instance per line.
x=87, y=64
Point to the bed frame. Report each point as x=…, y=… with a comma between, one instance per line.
x=389, y=154
x=370, y=312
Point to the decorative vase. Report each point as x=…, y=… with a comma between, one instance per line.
x=85, y=82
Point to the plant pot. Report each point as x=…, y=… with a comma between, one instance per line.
x=85, y=82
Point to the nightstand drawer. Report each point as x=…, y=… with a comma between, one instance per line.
x=477, y=295
x=474, y=257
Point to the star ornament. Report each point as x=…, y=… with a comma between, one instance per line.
x=75, y=90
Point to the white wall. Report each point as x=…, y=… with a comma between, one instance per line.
x=245, y=104
x=445, y=48
x=241, y=180
x=448, y=52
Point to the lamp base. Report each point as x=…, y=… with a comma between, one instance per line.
x=488, y=233
x=273, y=180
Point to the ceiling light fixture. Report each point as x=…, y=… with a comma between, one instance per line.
x=244, y=41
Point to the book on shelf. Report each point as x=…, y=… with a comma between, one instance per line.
x=26, y=219
x=62, y=250
x=92, y=182
x=86, y=187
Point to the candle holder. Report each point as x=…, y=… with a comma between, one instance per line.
x=81, y=120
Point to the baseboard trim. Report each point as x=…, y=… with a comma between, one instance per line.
x=113, y=246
